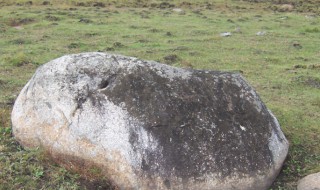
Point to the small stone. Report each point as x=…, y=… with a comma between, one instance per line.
x=18, y=27
x=310, y=182
x=225, y=34
x=177, y=10
x=284, y=18
x=261, y=33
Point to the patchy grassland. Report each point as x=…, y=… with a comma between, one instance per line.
x=283, y=65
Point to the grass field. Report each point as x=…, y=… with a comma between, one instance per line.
x=282, y=63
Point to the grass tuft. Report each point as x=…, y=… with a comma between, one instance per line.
x=19, y=59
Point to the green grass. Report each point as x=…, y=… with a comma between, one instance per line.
x=282, y=65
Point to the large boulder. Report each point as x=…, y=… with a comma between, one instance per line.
x=149, y=125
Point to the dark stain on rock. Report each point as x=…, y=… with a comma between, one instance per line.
x=144, y=165
x=207, y=114
x=49, y=105
x=167, y=183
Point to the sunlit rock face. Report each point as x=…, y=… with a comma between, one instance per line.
x=150, y=125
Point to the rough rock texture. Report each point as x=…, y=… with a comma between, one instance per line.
x=310, y=182
x=151, y=126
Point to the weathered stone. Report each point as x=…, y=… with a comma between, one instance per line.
x=310, y=182
x=149, y=125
